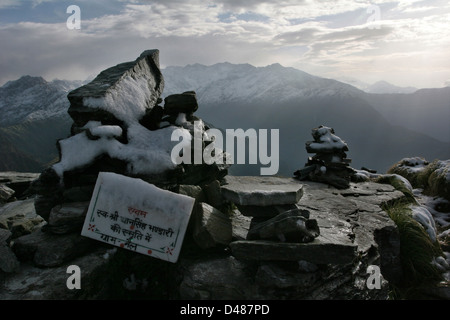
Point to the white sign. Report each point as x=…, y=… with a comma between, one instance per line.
x=133, y=214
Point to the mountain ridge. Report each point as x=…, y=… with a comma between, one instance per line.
x=270, y=97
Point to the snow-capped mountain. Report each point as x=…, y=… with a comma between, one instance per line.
x=386, y=87
x=379, y=128
x=33, y=98
x=244, y=82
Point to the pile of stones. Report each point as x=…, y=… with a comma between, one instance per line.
x=330, y=163
x=120, y=107
x=271, y=204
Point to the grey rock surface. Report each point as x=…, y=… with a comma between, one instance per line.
x=261, y=190
x=290, y=226
x=68, y=217
x=20, y=217
x=211, y=227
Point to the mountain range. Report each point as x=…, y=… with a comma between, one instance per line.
x=379, y=128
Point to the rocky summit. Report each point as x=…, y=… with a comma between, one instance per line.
x=248, y=237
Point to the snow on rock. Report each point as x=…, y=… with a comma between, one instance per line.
x=106, y=131
x=128, y=101
x=424, y=217
x=147, y=152
x=443, y=169
x=325, y=141
x=111, y=106
x=121, y=93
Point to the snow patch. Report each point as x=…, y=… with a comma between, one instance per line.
x=424, y=217
x=147, y=152
x=327, y=140
x=127, y=101
x=106, y=131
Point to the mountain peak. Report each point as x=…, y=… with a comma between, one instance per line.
x=24, y=81
x=386, y=87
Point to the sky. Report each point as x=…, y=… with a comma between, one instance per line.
x=404, y=42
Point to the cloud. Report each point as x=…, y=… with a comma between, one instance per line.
x=323, y=37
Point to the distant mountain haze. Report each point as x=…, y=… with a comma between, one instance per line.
x=380, y=128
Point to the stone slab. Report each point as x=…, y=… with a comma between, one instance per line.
x=261, y=190
x=320, y=251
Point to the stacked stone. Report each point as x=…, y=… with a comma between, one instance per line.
x=271, y=202
x=330, y=163
x=120, y=99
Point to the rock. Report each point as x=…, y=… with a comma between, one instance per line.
x=185, y=102
x=20, y=217
x=265, y=212
x=261, y=191
x=6, y=193
x=18, y=181
x=320, y=251
x=193, y=191
x=290, y=226
x=213, y=194
x=78, y=193
x=8, y=260
x=221, y=278
x=152, y=118
x=68, y=217
x=32, y=283
x=211, y=227
x=49, y=250
x=240, y=225
x=111, y=97
x=270, y=275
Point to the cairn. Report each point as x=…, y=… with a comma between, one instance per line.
x=330, y=163
x=120, y=126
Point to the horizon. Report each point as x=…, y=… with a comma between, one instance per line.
x=369, y=41
x=346, y=80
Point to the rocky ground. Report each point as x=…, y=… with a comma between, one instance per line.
x=354, y=234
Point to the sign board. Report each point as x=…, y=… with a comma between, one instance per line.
x=135, y=215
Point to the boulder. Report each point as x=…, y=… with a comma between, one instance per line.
x=45, y=249
x=18, y=181
x=8, y=260
x=290, y=226
x=68, y=217
x=185, y=102
x=120, y=93
x=212, y=227
x=20, y=217
x=6, y=193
